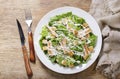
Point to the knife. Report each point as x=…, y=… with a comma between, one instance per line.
x=25, y=54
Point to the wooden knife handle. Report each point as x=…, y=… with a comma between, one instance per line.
x=31, y=47
x=26, y=60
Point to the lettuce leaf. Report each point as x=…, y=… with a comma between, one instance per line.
x=58, y=17
x=93, y=39
x=55, y=42
x=44, y=32
x=77, y=19
x=77, y=48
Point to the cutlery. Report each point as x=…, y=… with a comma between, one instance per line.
x=28, y=21
x=25, y=54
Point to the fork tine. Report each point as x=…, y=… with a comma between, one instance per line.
x=28, y=21
x=28, y=15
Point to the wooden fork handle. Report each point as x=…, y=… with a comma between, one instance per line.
x=31, y=47
x=26, y=60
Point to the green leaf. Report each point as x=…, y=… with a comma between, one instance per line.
x=59, y=32
x=78, y=28
x=69, y=61
x=93, y=40
x=53, y=59
x=78, y=58
x=77, y=48
x=77, y=19
x=74, y=27
x=66, y=14
x=59, y=58
x=61, y=27
x=55, y=42
x=40, y=42
x=58, y=17
x=50, y=23
x=76, y=64
x=44, y=32
x=71, y=35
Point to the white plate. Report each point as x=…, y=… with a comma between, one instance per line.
x=93, y=25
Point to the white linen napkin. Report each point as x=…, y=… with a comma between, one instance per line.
x=107, y=14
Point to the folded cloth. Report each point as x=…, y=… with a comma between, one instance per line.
x=107, y=14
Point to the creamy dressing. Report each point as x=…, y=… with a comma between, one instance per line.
x=65, y=40
x=81, y=33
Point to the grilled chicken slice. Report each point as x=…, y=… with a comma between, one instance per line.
x=75, y=32
x=64, y=42
x=87, y=31
x=86, y=52
x=90, y=48
x=64, y=62
x=49, y=44
x=83, y=33
x=50, y=52
x=85, y=25
x=71, y=53
x=44, y=41
x=45, y=48
x=52, y=30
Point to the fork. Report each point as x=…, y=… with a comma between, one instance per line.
x=28, y=21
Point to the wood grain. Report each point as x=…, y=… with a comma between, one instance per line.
x=27, y=62
x=31, y=47
x=11, y=58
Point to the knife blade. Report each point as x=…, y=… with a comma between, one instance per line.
x=25, y=54
x=22, y=37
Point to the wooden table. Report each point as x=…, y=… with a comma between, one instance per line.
x=11, y=58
